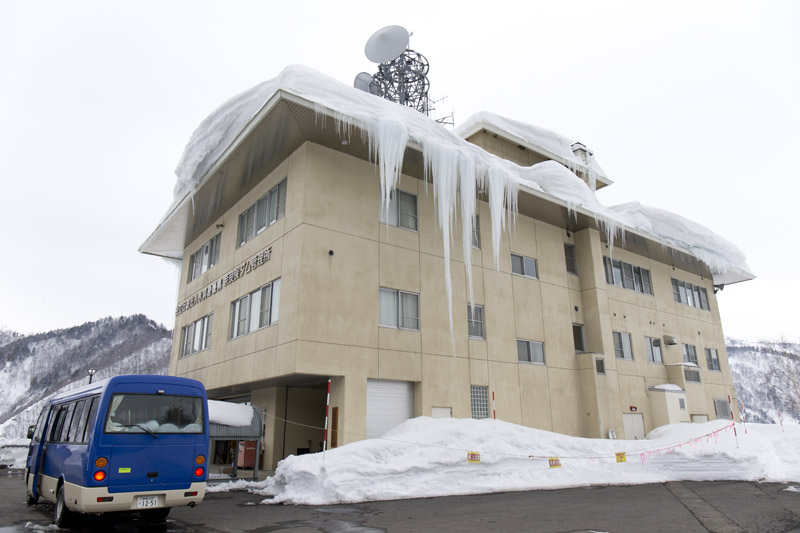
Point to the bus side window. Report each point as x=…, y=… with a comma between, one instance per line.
x=65, y=425
x=76, y=426
x=88, y=418
x=58, y=424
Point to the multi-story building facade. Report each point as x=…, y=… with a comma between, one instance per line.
x=296, y=271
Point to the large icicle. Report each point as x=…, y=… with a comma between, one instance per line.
x=442, y=163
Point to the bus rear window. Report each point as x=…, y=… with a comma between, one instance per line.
x=154, y=413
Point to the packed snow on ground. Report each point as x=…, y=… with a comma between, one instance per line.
x=229, y=414
x=426, y=457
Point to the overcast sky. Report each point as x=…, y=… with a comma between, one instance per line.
x=688, y=106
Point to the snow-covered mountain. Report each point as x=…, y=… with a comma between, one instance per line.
x=33, y=367
x=766, y=376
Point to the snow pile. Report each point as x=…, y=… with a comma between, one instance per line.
x=452, y=163
x=426, y=457
x=229, y=414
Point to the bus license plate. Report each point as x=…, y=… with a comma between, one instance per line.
x=147, y=501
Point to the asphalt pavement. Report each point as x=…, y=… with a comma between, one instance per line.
x=669, y=507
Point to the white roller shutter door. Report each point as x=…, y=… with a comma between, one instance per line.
x=388, y=403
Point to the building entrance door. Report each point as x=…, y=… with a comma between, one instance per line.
x=634, y=425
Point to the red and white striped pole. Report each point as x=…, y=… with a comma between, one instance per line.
x=327, y=404
x=733, y=420
x=494, y=411
x=780, y=418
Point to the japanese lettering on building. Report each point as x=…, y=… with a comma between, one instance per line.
x=233, y=275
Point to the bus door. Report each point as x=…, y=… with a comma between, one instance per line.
x=36, y=451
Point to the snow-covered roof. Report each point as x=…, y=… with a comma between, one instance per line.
x=229, y=414
x=669, y=386
x=548, y=143
x=456, y=167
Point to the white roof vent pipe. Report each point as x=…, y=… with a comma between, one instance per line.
x=582, y=153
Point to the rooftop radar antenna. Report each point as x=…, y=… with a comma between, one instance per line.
x=402, y=72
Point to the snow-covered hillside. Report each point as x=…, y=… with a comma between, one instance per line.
x=34, y=367
x=766, y=376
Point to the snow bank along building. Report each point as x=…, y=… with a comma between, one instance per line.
x=325, y=233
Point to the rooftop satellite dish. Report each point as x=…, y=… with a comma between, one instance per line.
x=386, y=44
x=363, y=81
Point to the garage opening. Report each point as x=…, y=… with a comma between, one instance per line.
x=389, y=403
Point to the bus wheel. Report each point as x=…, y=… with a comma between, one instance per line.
x=155, y=514
x=31, y=500
x=63, y=515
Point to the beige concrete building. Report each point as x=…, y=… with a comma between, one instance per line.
x=293, y=275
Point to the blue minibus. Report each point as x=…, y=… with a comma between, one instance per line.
x=128, y=443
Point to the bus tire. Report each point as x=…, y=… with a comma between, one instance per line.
x=31, y=500
x=63, y=515
x=155, y=515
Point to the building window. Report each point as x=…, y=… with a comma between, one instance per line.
x=600, y=365
x=530, y=352
x=402, y=212
x=256, y=310
x=398, y=309
x=690, y=373
x=627, y=276
x=479, y=398
x=204, y=258
x=688, y=294
x=577, y=337
x=265, y=212
x=622, y=345
x=712, y=359
x=524, y=266
x=476, y=232
x=682, y=403
x=653, y=348
x=569, y=255
x=475, y=324
x=196, y=336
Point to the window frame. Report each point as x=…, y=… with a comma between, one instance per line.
x=394, y=214
x=571, y=258
x=712, y=360
x=189, y=336
x=619, y=351
x=690, y=356
x=689, y=294
x=529, y=344
x=578, y=328
x=650, y=344
x=262, y=214
x=476, y=232
x=205, y=258
x=399, y=316
x=472, y=311
x=628, y=276
x=524, y=260
x=246, y=306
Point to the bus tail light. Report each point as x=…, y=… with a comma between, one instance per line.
x=99, y=475
x=100, y=462
x=199, y=471
x=104, y=499
x=200, y=459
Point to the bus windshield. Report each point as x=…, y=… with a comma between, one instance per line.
x=154, y=413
